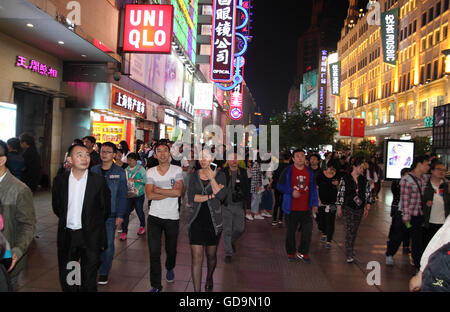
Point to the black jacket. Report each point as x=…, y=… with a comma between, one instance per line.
x=96, y=210
x=32, y=171
x=245, y=186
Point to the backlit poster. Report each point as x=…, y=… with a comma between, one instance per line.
x=399, y=155
x=7, y=121
x=174, y=79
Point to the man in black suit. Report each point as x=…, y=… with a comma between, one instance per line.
x=82, y=202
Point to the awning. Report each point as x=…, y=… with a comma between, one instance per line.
x=46, y=33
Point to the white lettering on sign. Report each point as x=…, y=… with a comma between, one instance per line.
x=129, y=103
x=75, y=14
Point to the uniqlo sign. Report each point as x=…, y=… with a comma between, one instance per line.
x=148, y=28
x=223, y=40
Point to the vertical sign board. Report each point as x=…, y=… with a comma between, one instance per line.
x=237, y=97
x=335, y=73
x=389, y=35
x=148, y=28
x=323, y=82
x=223, y=40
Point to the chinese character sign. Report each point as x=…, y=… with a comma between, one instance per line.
x=389, y=34
x=223, y=40
x=148, y=28
x=323, y=81
x=36, y=66
x=335, y=73
x=237, y=95
x=127, y=102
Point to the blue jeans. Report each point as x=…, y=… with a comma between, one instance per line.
x=138, y=205
x=266, y=199
x=256, y=201
x=107, y=256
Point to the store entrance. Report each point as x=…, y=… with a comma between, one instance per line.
x=34, y=116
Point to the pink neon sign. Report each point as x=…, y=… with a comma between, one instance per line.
x=36, y=67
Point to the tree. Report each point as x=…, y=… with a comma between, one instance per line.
x=366, y=148
x=304, y=128
x=341, y=146
x=422, y=145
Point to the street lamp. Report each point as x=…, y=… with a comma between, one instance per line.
x=354, y=102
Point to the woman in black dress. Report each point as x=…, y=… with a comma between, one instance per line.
x=206, y=192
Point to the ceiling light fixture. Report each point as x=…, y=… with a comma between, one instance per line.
x=61, y=42
x=30, y=25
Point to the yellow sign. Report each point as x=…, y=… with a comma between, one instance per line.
x=186, y=13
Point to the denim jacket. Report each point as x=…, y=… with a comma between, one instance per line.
x=117, y=182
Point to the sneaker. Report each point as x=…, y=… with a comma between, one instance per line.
x=303, y=257
x=170, y=276
x=280, y=222
x=227, y=259
x=328, y=245
x=141, y=230
x=249, y=217
x=258, y=217
x=350, y=260
x=389, y=260
x=155, y=289
x=274, y=223
x=266, y=214
x=123, y=236
x=291, y=258
x=411, y=260
x=323, y=239
x=103, y=280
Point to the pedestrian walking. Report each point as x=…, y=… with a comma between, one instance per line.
x=117, y=183
x=437, y=201
x=206, y=191
x=300, y=201
x=277, y=211
x=398, y=232
x=123, y=145
x=118, y=159
x=89, y=142
x=82, y=202
x=327, y=184
x=256, y=189
x=412, y=186
x=16, y=163
x=31, y=174
x=353, y=202
x=136, y=176
x=164, y=184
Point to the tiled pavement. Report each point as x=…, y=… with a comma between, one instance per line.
x=260, y=264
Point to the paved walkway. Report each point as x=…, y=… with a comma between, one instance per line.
x=260, y=264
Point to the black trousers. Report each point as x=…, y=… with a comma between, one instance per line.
x=417, y=239
x=74, y=249
x=326, y=221
x=295, y=218
x=277, y=211
x=155, y=228
x=429, y=233
x=398, y=233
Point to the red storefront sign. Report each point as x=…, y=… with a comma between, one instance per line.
x=148, y=28
x=223, y=40
x=127, y=102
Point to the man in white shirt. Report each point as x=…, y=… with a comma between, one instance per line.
x=163, y=187
x=82, y=202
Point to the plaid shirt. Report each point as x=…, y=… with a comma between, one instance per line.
x=410, y=199
x=341, y=193
x=256, y=177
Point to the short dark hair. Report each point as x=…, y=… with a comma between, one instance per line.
x=314, y=155
x=90, y=138
x=71, y=148
x=162, y=144
x=77, y=141
x=358, y=161
x=404, y=171
x=285, y=156
x=110, y=144
x=299, y=150
x=14, y=143
x=119, y=150
x=133, y=156
x=434, y=163
x=27, y=138
x=3, y=149
x=331, y=164
x=418, y=159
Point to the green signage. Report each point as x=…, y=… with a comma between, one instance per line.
x=185, y=25
x=428, y=121
x=389, y=35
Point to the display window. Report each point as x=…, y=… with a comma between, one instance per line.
x=108, y=129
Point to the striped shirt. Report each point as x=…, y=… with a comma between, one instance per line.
x=410, y=197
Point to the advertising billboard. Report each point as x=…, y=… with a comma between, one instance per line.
x=203, y=96
x=185, y=25
x=399, y=155
x=389, y=35
x=309, y=83
x=223, y=40
x=148, y=28
x=174, y=79
x=149, y=70
x=335, y=73
x=7, y=121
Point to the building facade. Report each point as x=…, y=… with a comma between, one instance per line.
x=396, y=101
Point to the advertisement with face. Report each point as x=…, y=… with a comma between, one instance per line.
x=174, y=79
x=400, y=155
x=149, y=69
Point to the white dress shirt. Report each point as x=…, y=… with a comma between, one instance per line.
x=1, y=178
x=77, y=188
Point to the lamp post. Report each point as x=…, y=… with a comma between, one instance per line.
x=354, y=102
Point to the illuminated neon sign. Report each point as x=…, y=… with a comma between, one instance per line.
x=36, y=67
x=323, y=81
x=223, y=40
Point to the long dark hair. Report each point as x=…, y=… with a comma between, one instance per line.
x=124, y=146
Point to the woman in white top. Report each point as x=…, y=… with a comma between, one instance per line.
x=123, y=145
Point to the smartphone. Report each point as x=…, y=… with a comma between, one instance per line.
x=213, y=166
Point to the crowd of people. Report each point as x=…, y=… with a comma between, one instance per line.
x=99, y=185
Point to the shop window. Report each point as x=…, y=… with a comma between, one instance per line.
x=423, y=107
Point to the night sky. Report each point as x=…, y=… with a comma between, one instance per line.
x=271, y=59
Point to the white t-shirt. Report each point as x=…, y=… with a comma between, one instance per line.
x=165, y=208
x=437, y=215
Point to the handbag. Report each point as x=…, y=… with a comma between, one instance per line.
x=132, y=191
